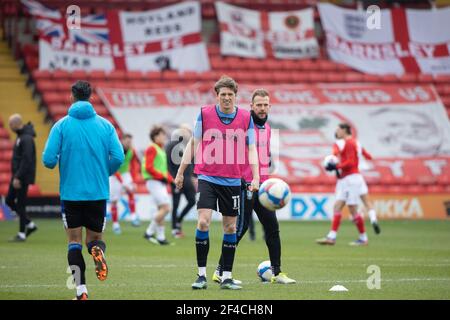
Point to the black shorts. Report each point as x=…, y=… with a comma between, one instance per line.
x=88, y=214
x=224, y=199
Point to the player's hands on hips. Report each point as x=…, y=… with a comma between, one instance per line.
x=179, y=179
x=254, y=186
x=16, y=183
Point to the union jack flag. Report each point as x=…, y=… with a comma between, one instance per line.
x=52, y=23
x=94, y=29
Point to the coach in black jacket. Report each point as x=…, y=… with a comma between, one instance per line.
x=23, y=167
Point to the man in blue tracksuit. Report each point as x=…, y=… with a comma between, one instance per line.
x=88, y=151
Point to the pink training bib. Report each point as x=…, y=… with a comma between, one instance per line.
x=262, y=136
x=223, y=148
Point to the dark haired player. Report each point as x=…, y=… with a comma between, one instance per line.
x=348, y=187
x=156, y=174
x=122, y=181
x=88, y=151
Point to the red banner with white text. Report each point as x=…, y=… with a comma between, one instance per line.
x=398, y=40
x=404, y=127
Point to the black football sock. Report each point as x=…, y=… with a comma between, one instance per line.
x=202, y=247
x=228, y=251
x=273, y=243
x=96, y=243
x=76, y=263
x=219, y=268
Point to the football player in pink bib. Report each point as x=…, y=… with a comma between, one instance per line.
x=221, y=136
x=260, y=107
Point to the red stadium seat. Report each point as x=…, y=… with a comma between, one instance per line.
x=245, y=77
x=60, y=74
x=42, y=75
x=308, y=65
x=447, y=90
x=44, y=85
x=425, y=78
x=445, y=79
x=97, y=76
x=235, y=63
x=52, y=98
x=353, y=77
x=63, y=86
x=343, y=67
x=280, y=77
x=300, y=77
x=371, y=78
x=57, y=109
x=6, y=145
x=5, y=177
x=318, y=77
x=79, y=75
x=189, y=76
x=170, y=76
x=408, y=78
x=335, y=77
x=134, y=76
x=389, y=78
x=441, y=89
x=253, y=64
x=272, y=64
x=153, y=76
x=262, y=77
x=117, y=75
x=327, y=66
x=5, y=167
x=139, y=85
x=213, y=50
x=216, y=62
x=4, y=134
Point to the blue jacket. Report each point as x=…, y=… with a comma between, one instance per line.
x=88, y=151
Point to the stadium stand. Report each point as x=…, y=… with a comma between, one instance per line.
x=50, y=89
x=13, y=85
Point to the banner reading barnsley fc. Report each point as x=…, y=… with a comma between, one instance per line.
x=404, y=127
x=407, y=40
x=161, y=39
x=258, y=34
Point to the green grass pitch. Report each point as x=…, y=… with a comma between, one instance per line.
x=413, y=257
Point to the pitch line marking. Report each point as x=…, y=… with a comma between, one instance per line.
x=17, y=286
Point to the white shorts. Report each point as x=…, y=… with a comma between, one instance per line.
x=117, y=188
x=364, y=188
x=350, y=188
x=158, y=191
